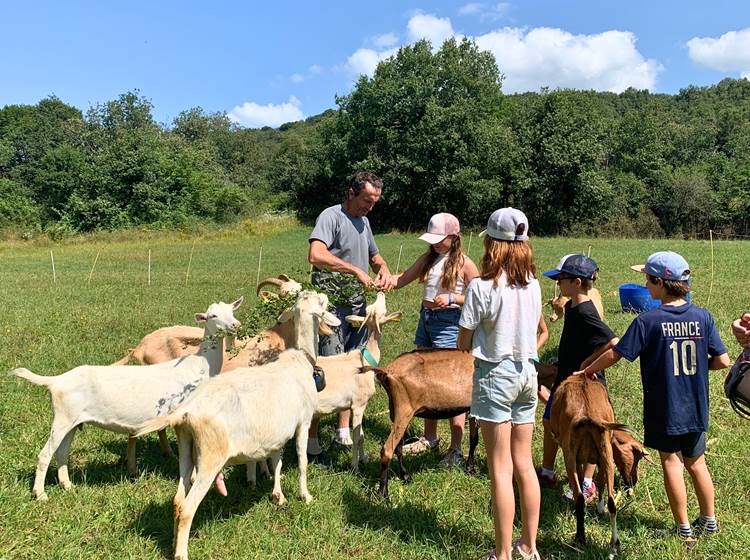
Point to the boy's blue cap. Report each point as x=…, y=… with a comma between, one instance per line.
x=667, y=265
x=576, y=265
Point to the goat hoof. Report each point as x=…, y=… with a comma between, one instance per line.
x=41, y=497
x=278, y=499
x=307, y=498
x=67, y=485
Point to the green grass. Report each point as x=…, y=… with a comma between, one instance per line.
x=50, y=328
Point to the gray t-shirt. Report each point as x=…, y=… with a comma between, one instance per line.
x=347, y=237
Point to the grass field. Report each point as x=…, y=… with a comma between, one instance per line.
x=51, y=327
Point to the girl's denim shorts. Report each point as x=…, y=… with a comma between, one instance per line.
x=504, y=391
x=438, y=328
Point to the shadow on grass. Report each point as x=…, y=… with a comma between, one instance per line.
x=413, y=523
x=155, y=522
x=554, y=506
x=100, y=472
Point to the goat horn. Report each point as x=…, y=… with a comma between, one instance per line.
x=268, y=281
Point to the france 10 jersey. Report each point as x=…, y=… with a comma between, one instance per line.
x=674, y=344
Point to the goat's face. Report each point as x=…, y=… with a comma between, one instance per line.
x=220, y=317
x=628, y=452
x=310, y=311
x=558, y=307
x=375, y=316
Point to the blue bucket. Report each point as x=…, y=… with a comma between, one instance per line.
x=635, y=297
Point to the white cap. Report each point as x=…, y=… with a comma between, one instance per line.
x=508, y=224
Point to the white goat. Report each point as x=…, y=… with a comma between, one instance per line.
x=168, y=343
x=347, y=387
x=121, y=398
x=247, y=416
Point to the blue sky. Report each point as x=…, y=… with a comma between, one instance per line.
x=271, y=62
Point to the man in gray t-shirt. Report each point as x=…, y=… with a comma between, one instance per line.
x=342, y=249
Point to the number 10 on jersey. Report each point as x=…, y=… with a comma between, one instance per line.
x=684, y=353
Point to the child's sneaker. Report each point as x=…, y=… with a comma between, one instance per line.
x=546, y=480
x=420, y=446
x=702, y=526
x=589, y=493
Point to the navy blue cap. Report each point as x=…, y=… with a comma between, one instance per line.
x=576, y=265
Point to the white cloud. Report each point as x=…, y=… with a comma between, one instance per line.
x=315, y=69
x=364, y=61
x=546, y=57
x=536, y=58
x=434, y=29
x=297, y=78
x=385, y=40
x=486, y=12
x=252, y=115
x=470, y=9
x=728, y=53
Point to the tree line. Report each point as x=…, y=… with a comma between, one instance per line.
x=434, y=125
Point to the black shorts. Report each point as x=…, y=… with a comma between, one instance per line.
x=691, y=445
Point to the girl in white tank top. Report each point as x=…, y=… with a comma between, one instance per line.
x=445, y=272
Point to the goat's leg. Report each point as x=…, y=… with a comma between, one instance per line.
x=358, y=445
x=130, y=456
x=572, y=470
x=277, y=496
x=403, y=475
x=401, y=422
x=471, y=466
x=264, y=468
x=250, y=473
x=185, y=480
x=58, y=432
x=609, y=472
x=61, y=456
x=302, y=461
x=164, y=444
x=185, y=511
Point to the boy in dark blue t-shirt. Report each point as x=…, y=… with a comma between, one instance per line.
x=678, y=344
x=584, y=337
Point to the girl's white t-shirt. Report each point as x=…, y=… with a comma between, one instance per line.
x=504, y=319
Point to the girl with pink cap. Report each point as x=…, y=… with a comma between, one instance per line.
x=445, y=272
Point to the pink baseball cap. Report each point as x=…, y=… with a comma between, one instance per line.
x=441, y=226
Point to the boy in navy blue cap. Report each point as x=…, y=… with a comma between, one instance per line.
x=678, y=344
x=584, y=337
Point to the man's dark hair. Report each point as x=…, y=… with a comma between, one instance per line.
x=675, y=288
x=361, y=178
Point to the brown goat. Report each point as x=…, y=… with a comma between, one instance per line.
x=558, y=304
x=582, y=421
x=433, y=384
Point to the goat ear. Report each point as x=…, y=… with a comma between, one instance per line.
x=647, y=456
x=330, y=319
x=324, y=329
x=355, y=320
x=236, y=304
x=200, y=317
x=392, y=317
x=283, y=277
x=285, y=316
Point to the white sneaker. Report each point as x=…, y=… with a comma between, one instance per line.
x=420, y=446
